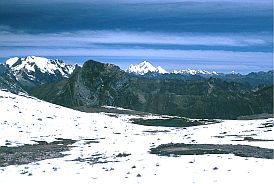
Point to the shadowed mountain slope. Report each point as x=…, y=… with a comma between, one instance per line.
x=97, y=84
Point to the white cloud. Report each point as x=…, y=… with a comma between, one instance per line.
x=201, y=55
x=89, y=38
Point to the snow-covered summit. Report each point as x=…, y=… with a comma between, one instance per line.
x=44, y=65
x=144, y=68
x=194, y=72
x=31, y=70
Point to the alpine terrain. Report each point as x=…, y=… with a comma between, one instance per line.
x=166, y=92
x=142, y=125
x=97, y=84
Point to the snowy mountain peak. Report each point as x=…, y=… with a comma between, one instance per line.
x=33, y=70
x=44, y=65
x=145, y=63
x=144, y=68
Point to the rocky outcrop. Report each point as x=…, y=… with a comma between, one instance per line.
x=8, y=81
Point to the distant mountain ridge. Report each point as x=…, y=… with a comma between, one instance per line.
x=251, y=80
x=194, y=72
x=97, y=84
x=146, y=67
x=31, y=70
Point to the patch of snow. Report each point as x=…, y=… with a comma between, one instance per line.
x=118, y=108
x=234, y=73
x=12, y=61
x=194, y=72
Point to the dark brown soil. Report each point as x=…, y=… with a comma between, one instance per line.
x=201, y=149
x=32, y=153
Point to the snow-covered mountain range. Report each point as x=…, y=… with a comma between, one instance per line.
x=33, y=63
x=146, y=67
x=33, y=70
x=194, y=72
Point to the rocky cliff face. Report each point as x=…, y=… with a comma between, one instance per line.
x=8, y=81
x=100, y=84
x=95, y=84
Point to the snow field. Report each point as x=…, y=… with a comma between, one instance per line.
x=24, y=120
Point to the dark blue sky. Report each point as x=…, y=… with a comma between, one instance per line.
x=221, y=35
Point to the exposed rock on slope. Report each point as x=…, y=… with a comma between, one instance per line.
x=8, y=81
x=94, y=84
x=97, y=84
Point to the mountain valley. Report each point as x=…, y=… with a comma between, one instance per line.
x=95, y=84
x=134, y=127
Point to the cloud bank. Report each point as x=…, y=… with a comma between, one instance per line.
x=89, y=38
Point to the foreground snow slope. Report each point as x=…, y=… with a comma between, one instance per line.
x=24, y=120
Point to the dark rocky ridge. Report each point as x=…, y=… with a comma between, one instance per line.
x=253, y=80
x=8, y=81
x=93, y=85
